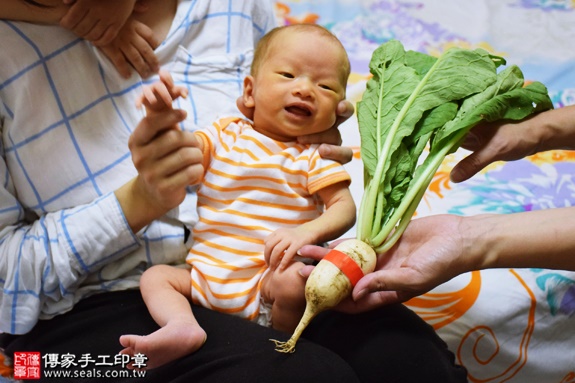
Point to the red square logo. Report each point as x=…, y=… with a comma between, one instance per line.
x=27, y=365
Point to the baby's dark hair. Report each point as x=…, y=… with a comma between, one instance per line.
x=264, y=44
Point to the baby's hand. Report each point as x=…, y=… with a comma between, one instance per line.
x=159, y=96
x=133, y=48
x=282, y=245
x=98, y=21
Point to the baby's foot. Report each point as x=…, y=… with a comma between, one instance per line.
x=165, y=345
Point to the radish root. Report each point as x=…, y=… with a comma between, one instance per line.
x=289, y=346
x=327, y=285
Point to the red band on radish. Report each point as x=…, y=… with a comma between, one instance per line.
x=347, y=265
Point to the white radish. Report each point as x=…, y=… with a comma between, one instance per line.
x=330, y=282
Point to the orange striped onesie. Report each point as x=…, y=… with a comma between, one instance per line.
x=252, y=186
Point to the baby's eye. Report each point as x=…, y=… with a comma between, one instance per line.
x=286, y=74
x=327, y=87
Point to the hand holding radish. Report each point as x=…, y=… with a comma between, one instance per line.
x=330, y=282
x=426, y=255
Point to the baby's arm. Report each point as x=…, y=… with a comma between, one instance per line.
x=98, y=21
x=282, y=245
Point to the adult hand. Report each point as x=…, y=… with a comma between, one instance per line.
x=429, y=252
x=492, y=142
x=168, y=160
x=330, y=140
x=97, y=21
x=133, y=48
x=548, y=130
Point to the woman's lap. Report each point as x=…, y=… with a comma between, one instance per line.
x=389, y=344
x=380, y=346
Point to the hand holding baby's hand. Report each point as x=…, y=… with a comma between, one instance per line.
x=167, y=158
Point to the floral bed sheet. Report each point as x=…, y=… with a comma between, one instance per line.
x=505, y=325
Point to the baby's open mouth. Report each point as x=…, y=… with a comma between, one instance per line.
x=298, y=110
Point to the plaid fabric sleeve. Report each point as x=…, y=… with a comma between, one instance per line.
x=65, y=118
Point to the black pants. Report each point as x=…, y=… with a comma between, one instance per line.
x=390, y=344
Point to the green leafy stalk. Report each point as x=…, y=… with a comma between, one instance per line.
x=414, y=101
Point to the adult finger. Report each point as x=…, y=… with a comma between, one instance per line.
x=118, y=60
x=469, y=166
x=74, y=16
x=96, y=33
x=84, y=27
x=331, y=136
x=136, y=60
x=185, y=159
x=146, y=44
x=341, y=154
x=345, y=110
x=396, y=281
x=150, y=126
x=312, y=252
x=106, y=35
x=368, y=302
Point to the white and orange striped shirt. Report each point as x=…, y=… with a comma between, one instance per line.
x=252, y=186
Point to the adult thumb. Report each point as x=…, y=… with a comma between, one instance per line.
x=467, y=167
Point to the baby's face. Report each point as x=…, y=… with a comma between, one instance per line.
x=299, y=85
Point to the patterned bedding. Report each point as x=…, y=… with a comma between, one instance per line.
x=505, y=325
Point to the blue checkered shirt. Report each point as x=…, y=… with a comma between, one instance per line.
x=66, y=116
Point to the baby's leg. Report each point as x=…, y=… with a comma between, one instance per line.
x=167, y=293
x=285, y=290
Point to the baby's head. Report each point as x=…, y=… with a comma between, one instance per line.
x=298, y=77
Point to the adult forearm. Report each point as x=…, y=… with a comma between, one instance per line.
x=538, y=239
x=46, y=261
x=136, y=206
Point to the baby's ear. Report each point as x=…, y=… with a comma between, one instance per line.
x=248, y=95
x=246, y=103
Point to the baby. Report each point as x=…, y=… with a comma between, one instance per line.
x=261, y=198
